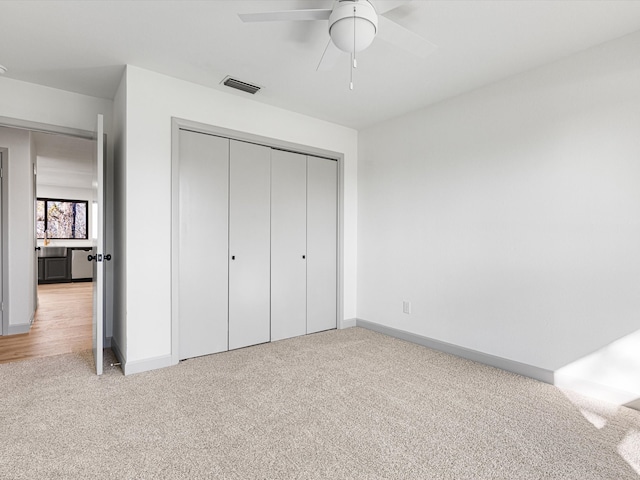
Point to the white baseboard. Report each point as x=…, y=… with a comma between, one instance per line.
x=139, y=366
x=524, y=369
x=634, y=404
x=348, y=323
x=18, y=329
x=22, y=327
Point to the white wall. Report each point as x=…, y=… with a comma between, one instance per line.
x=510, y=216
x=21, y=253
x=28, y=102
x=35, y=103
x=151, y=100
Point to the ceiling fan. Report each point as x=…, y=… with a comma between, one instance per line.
x=352, y=26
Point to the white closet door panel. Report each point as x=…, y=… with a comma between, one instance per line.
x=249, y=244
x=288, y=245
x=203, y=248
x=322, y=235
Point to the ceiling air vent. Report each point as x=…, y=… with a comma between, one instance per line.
x=240, y=85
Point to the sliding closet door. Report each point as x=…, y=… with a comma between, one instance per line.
x=288, y=245
x=203, y=247
x=322, y=234
x=249, y=244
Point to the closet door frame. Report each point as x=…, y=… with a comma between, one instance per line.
x=4, y=240
x=178, y=124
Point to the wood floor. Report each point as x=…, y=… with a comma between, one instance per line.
x=62, y=324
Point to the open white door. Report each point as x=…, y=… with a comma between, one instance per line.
x=98, y=248
x=36, y=249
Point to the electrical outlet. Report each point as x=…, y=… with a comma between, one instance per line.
x=406, y=306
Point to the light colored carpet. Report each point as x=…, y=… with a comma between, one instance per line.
x=349, y=404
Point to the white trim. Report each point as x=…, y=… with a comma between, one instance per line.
x=348, y=323
x=524, y=369
x=175, y=240
x=635, y=404
x=198, y=127
x=43, y=127
x=340, y=246
x=18, y=329
x=16, y=123
x=139, y=366
x=4, y=241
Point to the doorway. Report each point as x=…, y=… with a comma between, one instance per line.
x=64, y=231
x=62, y=161
x=62, y=325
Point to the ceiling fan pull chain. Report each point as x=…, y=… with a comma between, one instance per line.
x=351, y=82
x=355, y=62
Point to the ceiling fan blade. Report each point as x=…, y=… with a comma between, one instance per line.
x=329, y=57
x=286, y=15
x=383, y=6
x=397, y=35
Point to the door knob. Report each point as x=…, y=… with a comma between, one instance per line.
x=233, y=257
x=304, y=256
x=91, y=258
x=38, y=248
x=107, y=257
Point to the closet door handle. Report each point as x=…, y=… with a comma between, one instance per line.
x=233, y=257
x=304, y=256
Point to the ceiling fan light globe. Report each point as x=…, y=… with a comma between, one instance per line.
x=348, y=15
x=342, y=34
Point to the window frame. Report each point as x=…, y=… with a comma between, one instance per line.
x=46, y=200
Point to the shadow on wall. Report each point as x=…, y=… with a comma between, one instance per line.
x=611, y=373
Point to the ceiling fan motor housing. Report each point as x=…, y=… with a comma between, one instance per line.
x=353, y=24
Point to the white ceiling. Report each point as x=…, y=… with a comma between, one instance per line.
x=82, y=46
x=64, y=161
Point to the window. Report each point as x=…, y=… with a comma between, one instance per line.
x=61, y=219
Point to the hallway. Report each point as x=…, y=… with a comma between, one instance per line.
x=62, y=324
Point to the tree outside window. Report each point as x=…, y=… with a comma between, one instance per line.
x=61, y=219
